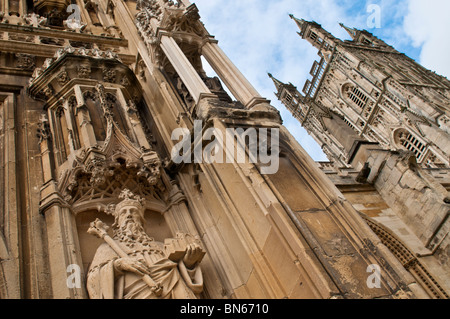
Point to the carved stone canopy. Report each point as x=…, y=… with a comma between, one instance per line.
x=159, y=17
x=80, y=65
x=54, y=11
x=49, y=5
x=99, y=173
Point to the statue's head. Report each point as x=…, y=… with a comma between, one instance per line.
x=130, y=209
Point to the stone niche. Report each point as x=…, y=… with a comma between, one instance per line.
x=46, y=6
x=54, y=10
x=155, y=226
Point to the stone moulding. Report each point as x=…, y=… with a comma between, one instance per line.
x=97, y=165
x=79, y=65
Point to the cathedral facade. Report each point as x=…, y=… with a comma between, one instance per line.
x=382, y=120
x=127, y=172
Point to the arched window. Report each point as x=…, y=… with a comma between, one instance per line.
x=356, y=95
x=75, y=134
x=288, y=98
x=119, y=115
x=96, y=115
x=367, y=42
x=61, y=136
x=407, y=140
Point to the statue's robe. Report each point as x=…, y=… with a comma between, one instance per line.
x=104, y=282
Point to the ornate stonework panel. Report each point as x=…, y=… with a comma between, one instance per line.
x=157, y=17
x=98, y=174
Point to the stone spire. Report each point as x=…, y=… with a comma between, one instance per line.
x=352, y=31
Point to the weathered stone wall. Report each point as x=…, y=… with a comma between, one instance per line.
x=418, y=206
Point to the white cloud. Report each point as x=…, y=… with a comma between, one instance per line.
x=427, y=23
x=259, y=37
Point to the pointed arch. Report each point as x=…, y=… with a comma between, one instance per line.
x=98, y=121
x=407, y=258
x=404, y=139
x=355, y=96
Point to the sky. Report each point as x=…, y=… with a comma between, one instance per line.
x=259, y=37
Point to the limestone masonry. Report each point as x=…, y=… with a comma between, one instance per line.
x=93, y=205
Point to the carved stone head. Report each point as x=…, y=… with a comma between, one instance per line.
x=131, y=208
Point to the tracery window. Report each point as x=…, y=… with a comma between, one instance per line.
x=61, y=133
x=288, y=98
x=97, y=118
x=356, y=95
x=408, y=141
x=313, y=36
x=412, y=144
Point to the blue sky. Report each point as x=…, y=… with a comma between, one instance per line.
x=259, y=37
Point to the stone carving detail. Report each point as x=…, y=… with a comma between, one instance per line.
x=25, y=61
x=174, y=17
x=215, y=86
x=131, y=107
x=151, y=7
x=35, y=20
x=125, y=81
x=109, y=75
x=55, y=18
x=132, y=265
x=97, y=172
x=84, y=71
x=43, y=131
x=110, y=7
x=141, y=70
x=63, y=78
x=48, y=91
x=151, y=170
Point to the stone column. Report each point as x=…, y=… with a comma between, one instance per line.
x=184, y=68
x=66, y=267
x=239, y=86
x=11, y=234
x=63, y=248
x=177, y=216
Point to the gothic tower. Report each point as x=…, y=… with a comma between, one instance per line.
x=382, y=120
x=99, y=101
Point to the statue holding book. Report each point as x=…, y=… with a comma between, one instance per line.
x=132, y=265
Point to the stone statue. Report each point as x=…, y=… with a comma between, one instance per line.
x=131, y=265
